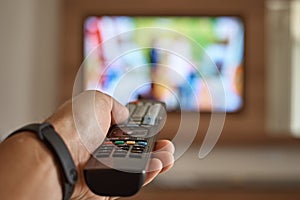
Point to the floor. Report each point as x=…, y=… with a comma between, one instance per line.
x=213, y=194
x=260, y=172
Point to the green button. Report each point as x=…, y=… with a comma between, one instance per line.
x=119, y=142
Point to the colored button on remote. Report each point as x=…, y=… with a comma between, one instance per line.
x=107, y=143
x=119, y=142
x=130, y=142
x=142, y=143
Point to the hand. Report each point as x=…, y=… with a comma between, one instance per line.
x=83, y=124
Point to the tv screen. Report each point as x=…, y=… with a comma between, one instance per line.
x=180, y=62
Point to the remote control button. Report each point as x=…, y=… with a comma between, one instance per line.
x=117, y=142
x=138, y=148
x=136, y=151
x=133, y=123
x=129, y=132
x=131, y=108
x=142, y=143
x=148, y=104
x=102, y=155
x=105, y=148
x=130, y=142
x=123, y=147
x=150, y=117
x=120, y=150
x=107, y=143
x=145, y=126
x=139, y=112
x=119, y=155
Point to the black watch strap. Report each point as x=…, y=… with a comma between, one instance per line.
x=54, y=142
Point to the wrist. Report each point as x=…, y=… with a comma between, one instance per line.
x=26, y=138
x=52, y=140
x=33, y=166
x=72, y=139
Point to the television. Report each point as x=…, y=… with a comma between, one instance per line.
x=192, y=63
x=246, y=124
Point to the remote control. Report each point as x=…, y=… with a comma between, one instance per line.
x=118, y=166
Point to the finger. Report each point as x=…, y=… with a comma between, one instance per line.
x=166, y=158
x=151, y=174
x=92, y=115
x=164, y=145
x=119, y=112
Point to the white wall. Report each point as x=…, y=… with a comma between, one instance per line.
x=28, y=55
x=283, y=48
x=278, y=70
x=295, y=31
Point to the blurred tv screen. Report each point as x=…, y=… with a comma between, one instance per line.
x=181, y=79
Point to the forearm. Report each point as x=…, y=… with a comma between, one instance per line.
x=28, y=169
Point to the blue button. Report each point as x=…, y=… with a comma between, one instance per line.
x=143, y=143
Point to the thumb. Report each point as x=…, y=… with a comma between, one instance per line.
x=93, y=114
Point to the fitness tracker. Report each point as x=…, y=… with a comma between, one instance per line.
x=54, y=142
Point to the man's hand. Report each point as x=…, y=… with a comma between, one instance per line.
x=83, y=123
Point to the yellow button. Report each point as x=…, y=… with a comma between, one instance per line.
x=130, y=142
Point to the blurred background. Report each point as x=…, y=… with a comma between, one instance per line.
x=258, y=154
x=29, y=56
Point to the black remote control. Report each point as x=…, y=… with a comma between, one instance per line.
x=118, y=166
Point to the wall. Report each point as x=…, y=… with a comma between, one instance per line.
x=282, y=39
x=28, y=54
x=295, y=29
